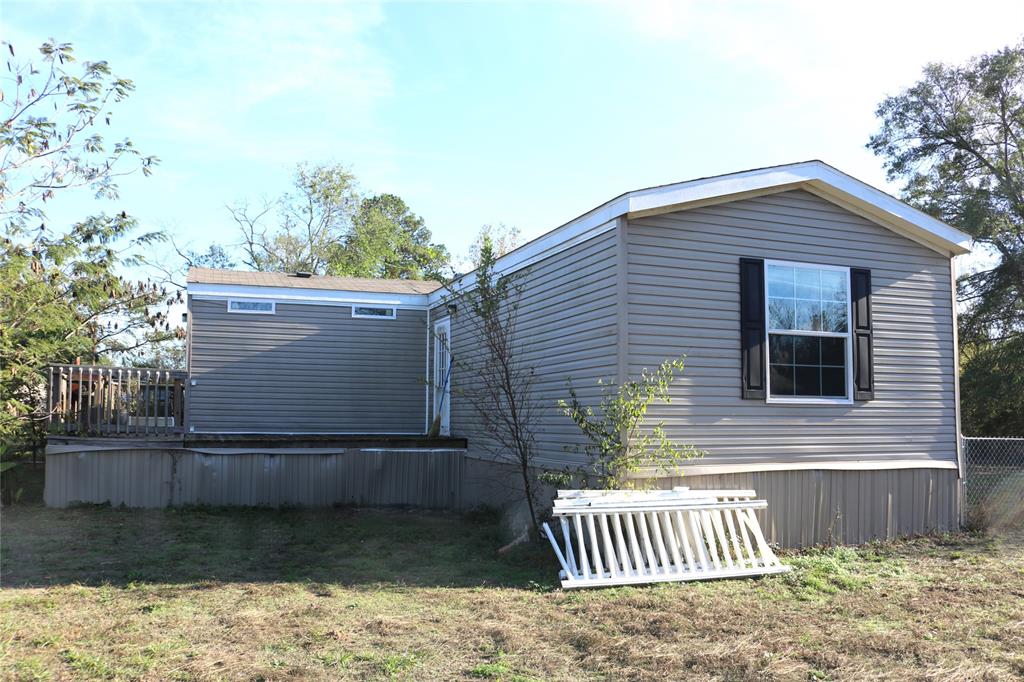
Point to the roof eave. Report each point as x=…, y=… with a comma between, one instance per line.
x=815, y=176
x=296, y=294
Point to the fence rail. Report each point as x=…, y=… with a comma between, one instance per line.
x=95, y=400
x=994, y=481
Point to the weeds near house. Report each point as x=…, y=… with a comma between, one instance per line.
x=619, y=442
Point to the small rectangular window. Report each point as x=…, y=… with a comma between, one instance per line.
x=253, y=307
x=808, y=330
x=378, y=312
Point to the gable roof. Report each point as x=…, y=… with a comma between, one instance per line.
x=816, y=177
x=321, y=282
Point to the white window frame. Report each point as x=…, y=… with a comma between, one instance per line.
x=848, y=335
x=272, y=311
x=392, y=308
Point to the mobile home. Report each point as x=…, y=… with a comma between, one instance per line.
x=816, y=313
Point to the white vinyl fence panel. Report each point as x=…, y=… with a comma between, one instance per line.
x=630, y=537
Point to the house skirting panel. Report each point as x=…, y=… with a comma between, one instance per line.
x=813, y=507
x=161, y=477
x=807, y=507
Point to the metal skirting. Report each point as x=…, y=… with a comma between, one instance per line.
x=806, y=507
x=844, y=507
x=160, y=477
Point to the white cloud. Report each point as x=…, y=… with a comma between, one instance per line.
x=241, y=60
x=826, y=64
x=811, y=43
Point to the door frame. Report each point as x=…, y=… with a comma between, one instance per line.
x=442, y=396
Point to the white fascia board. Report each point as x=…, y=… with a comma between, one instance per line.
x=678, y=195
x=822, y=177
x=565, y=237
x=893, y=211
x=307, y=296
x=815, y=176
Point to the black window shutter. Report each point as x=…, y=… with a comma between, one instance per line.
x=863, y=343
x=752, y=328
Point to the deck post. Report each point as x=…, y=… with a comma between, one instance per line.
x=49, y=399
x=96, y=402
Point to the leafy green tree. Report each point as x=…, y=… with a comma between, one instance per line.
x=618, y=440
x=389, y=241
x=324, y=226
x=955, y=138
x=44, y=152
x=309, y=222
x=61, y=294
x=991, y=384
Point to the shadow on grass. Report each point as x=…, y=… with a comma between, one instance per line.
x=100, y=545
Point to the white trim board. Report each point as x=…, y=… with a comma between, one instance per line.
x=313, y=296
x=707, y=469
x=830, y=182
x=392, y=315
x=272, y=311
x=816, y=177
x=847, y=336
x=554, y=242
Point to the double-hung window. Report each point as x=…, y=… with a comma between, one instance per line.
x=807, y=309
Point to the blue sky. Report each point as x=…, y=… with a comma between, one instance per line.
x=522, y=113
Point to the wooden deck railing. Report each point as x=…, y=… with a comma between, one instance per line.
x=94, y=400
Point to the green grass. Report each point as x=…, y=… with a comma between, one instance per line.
x=203, y=594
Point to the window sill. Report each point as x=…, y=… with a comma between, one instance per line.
x=809, y=401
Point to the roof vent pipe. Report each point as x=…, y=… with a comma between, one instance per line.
x=303, y=274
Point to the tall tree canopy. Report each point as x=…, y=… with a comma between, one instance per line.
x=388, y=240
x=324, y=226
x=955, y=138
x=62, y=291
x=308, y=222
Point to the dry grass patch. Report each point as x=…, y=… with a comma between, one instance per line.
x=107, y=594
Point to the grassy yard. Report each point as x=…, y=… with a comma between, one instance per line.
x=98, y=593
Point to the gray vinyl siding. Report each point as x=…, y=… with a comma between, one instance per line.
x=683, y=291
x=566, y=329
x=307, y=368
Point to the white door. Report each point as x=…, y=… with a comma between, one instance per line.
x=442, y=373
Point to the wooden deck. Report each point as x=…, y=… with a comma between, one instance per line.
x=132, y=402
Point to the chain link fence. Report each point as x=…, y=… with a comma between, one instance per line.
x=994, y=482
